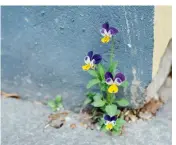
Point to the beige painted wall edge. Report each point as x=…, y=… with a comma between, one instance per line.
x=162, y=33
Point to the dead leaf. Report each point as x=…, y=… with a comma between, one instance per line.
x=72, y=126
x=57, y=120
x=57, y=126
x=58, y=115
x=132, y=117
x=10, y=95
x=146, y=115
x=37, y=102
x=84, y=125
x=152, y=106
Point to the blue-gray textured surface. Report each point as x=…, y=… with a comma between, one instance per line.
x=43, y=48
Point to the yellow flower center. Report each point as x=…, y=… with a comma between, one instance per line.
x=105, y=39
x=86, y=67
x=109, y=126
x=113, y=88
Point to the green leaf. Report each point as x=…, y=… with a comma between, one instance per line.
x=60, y=106
x=118, y=112
x=111, y=110
x=90, y=95
x=113, y=67
x=101, y=121
x=101, y=71
x=120, y=122
x=52, y=104
x=93, y=73
x=92, y=83
x=116, y=132
x=123, y=102
x=58, y=99
x=98, y=103
x=54, y=109
x=87, y=101
x=97, y=97
x=103, y=128
x=125, y=84
x=103, y=87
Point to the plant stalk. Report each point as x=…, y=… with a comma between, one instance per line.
x=112, y=51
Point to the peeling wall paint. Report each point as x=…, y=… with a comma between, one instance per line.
x=43, y=48
x=136, y=89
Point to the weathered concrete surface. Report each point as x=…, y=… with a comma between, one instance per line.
x=43, y=49
x=23, y=123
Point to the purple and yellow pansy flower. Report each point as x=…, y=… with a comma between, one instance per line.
x=107, y=32
x=91, y=60
x=110, y=122
x=114, y=82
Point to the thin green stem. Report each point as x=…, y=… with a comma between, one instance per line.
x=108, y=98
x=112, y=51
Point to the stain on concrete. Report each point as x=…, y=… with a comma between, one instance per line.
x=136, y=90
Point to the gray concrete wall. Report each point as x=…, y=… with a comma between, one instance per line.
x=43, y=49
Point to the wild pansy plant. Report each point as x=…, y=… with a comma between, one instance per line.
x=106, y=105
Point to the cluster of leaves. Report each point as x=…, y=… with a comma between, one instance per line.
x=117, y=129
x=56, y=104
x=103, y=100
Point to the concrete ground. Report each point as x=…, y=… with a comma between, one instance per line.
x=23, y=123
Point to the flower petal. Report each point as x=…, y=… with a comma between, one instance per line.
x=87, y=59
x=109, y=78
x=119, y=78
x=86, y=67
x=90, y=54
x=106, y=38
x=113, y=118
x=106, y=26
x=113, y=88
x=109, y=126
x=107, y=118
x=113, y=31
x=103, y=32
x=96, y=58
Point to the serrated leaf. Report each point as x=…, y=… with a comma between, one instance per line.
x=97, y=97
x=111, y=110
x=124, y=84
x=87, y=101
x=58, y=99
x=123, y=102
x=92, y=83
x=93, y=73
x=98, y=103
x=101, y=71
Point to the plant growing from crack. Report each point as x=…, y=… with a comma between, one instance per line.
x=56, y=104
x=109, y=82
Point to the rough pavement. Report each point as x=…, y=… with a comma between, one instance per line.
x=23, y=123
